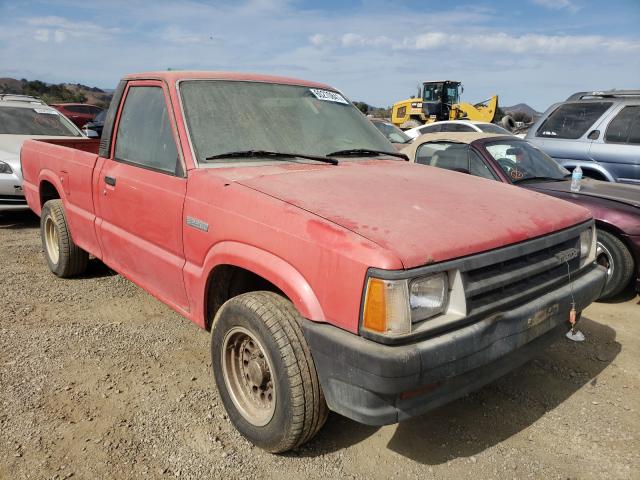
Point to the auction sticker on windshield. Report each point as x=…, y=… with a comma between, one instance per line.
x=328, y=96
x=46, y=110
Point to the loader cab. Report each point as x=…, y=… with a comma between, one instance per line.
x=438, y=97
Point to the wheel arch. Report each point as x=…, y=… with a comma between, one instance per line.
x=232, y=268
x=49, y=188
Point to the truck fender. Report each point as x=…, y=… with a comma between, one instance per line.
x=57, y=182
x=260, y=262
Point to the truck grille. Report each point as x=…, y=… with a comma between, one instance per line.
x=521, y=274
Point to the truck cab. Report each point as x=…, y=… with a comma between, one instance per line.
x=331, y=273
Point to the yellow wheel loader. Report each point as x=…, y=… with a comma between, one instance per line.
x=440, y=100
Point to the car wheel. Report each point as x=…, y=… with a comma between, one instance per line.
x=264, y=372
x=64, y=257
x=613, y=254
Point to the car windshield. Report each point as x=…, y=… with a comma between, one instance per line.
x=522, y=161
x=491, y=128
x=393, y=133
x=36, y=120
x=232, y=116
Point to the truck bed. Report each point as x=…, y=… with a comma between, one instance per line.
x=68, y=165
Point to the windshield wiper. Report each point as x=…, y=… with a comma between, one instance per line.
x=271, y=155
x=551, y=179
x=365, y=152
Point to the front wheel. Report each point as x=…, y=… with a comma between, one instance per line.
x=265, y=373
x=614, y=255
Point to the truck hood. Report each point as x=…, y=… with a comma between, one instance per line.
x=617, y=192
x=421, y=214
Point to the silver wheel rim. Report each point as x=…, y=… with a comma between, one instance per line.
x=604, y=258
x=247, y=373
x=51, y=240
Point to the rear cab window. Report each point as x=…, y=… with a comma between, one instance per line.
x=572, y=120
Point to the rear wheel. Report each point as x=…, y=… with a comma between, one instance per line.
x=64, y=257
x=614, y=255
x=265, y=373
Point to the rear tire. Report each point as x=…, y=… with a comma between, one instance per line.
x=614, y=255
x=264, y=372
x=64, y=257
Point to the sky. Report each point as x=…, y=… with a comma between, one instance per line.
x=531, y=51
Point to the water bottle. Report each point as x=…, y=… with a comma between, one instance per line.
x=576, y=178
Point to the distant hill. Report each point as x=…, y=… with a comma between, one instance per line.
x=56, y=93
x=521, y=110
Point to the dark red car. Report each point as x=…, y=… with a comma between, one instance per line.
x=614, y=206
x=78, y=113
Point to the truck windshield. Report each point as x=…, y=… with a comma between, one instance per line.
x=232, y=116
x=36, y=120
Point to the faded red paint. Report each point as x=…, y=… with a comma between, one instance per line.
x=312, y=230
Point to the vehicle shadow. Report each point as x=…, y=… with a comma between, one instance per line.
x=627, y=294
x=19, y=220
x=96, y=269
x=498, y=411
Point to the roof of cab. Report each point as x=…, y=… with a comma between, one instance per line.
x=172, y=76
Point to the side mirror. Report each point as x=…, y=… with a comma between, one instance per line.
x=594, y=135
x=90, y=133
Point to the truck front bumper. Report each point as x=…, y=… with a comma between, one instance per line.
x=379, y=384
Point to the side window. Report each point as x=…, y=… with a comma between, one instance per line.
x=625, y=127
x=94, y=110
x=572, y=120
x=477, y=166
x=448, y=127
x=430, y=129
x=461, y=127
x=144, y=134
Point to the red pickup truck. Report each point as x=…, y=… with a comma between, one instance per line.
x=332, y=273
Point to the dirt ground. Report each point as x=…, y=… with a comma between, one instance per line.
x=100, y=380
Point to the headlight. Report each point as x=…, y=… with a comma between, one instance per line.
x=392, y=306
x=416, y=105
x=5, y=168
x=428, y=296
x=588, y=246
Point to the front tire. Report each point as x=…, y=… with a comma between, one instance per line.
x=265, y=373
x=64, y=257
x=614, y=255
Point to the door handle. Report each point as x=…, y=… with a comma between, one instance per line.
x=110, y=181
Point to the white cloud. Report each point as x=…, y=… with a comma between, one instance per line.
x=59, y=28
x=372, y=52
x=558, y=5
x=495, y=42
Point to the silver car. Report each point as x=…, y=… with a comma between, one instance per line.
x=599, y=131
x=21, y=118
